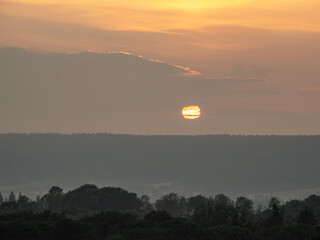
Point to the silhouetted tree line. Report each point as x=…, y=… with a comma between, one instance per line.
x=89, y=212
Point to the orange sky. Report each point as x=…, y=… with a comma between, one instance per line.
x=166, y=15
x=274, y=41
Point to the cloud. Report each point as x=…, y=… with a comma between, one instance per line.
x=310, y=89
x=90, y=91
x=163, y=15
x=242, y=66
x=120, y=92
x=187, y=71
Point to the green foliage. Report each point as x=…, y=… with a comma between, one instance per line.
x=244, y=212
x=174, y=204
x=306, y=216
x=220, y=210
x=146, y=205
x=12, y=197
x=93, y=213
x=223, y=210
x=224, y=232
x=157, y=217
x=1, y=198
x=194, y=203
x=274, y=215
x=107, y=198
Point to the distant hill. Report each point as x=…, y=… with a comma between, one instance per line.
x=158, y=164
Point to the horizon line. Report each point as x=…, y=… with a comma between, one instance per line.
x=161, y=135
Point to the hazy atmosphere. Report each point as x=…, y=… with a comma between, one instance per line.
x=156, y=165
x=251, y=67
x=162, y=120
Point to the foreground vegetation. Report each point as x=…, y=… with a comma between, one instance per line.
x=96, y=213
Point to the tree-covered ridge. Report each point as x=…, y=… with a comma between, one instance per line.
x=89, y=212
x=237, y=165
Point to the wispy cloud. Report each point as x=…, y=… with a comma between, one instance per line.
x=310, y=89
x=187, y=71
x=162, y=15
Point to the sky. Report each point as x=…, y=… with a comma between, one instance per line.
x=131, y=66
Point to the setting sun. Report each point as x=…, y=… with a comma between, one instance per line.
x=191, y=112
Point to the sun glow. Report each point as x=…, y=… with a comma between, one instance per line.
x=167, y=15
x=191, y=112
